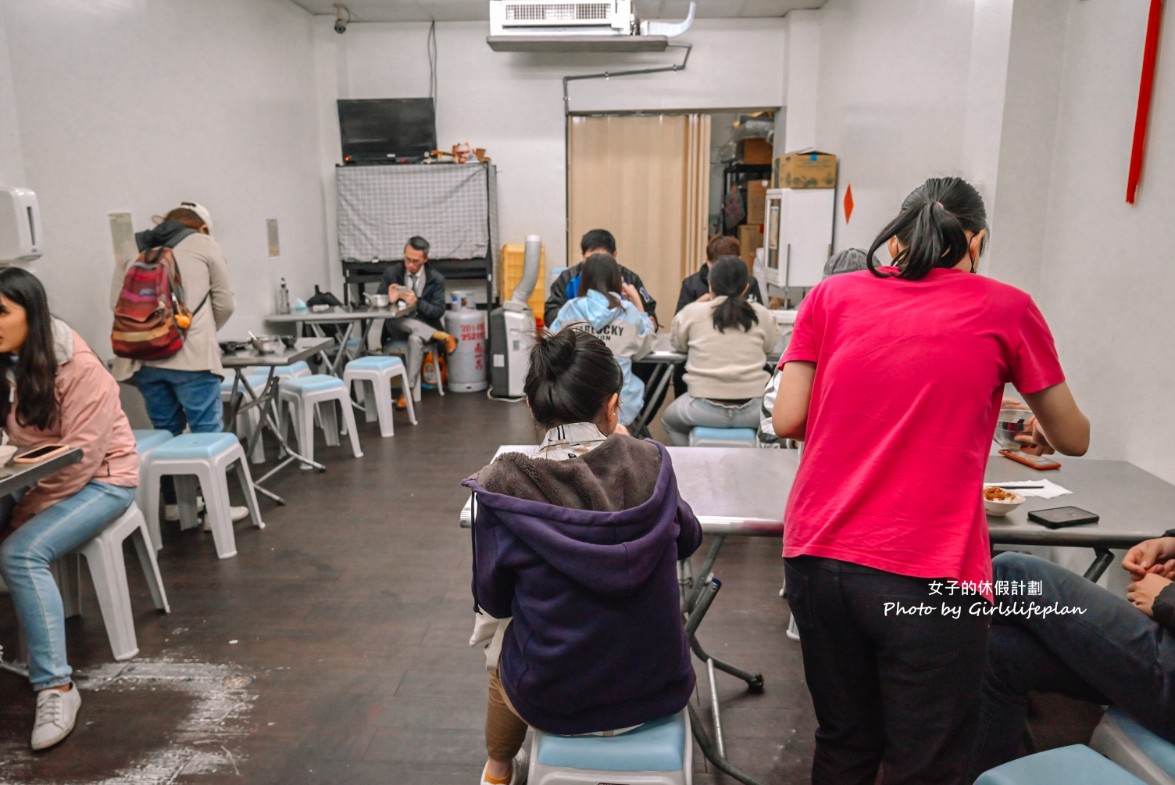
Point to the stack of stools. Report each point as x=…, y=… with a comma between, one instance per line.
x=657, y=753
x=1074, y=765
x=701, y=436
x=370, y=380
x=108, y=571
x=248, y=422
x=204, y=457
x=303, y=396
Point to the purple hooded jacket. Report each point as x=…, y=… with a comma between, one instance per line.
x=582, y=553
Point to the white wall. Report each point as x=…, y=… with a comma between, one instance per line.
x=1034, y=101
x=135, y=106
x=11, y=160
x=1106, y=277
x=512, y=103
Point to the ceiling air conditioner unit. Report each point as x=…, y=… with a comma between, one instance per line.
x=561, y=17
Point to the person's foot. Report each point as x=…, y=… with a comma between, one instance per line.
x=171, y=512
x=402, y=402
x=450, y=341
x=517, y=774
x=57, y=710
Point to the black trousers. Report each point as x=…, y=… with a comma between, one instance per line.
x=894, y=670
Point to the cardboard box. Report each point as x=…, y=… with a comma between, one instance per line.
x=804, y=169
x=756, y=201
x=754, y=151
x=750, y=237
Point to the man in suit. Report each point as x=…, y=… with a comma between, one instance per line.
x=415, y=283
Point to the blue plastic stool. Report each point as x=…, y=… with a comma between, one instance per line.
x=370, y=380
x=303, y=395
x=207, y=456
x=702, y=436
x=656, y=753
x=1144, y=754
x=1074, y=765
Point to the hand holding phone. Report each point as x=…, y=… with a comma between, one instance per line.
x=42, y=453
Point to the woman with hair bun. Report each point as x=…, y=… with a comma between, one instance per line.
x=577, y=546
x=893, y=379
x=726, y=340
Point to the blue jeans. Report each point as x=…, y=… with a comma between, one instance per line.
x=686, y=412
x=180, y=399
x=25, y=558
x=1112, y=653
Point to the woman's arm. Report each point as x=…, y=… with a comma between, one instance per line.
x=790, y=416
x=679, y=334
x=1059, y=424
x=220, y=290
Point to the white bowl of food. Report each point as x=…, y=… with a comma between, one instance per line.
x=6, y=453
x=998, y=501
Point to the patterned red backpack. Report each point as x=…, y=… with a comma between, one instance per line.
x=150, y=318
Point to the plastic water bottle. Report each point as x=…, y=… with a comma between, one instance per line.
x=283, y=297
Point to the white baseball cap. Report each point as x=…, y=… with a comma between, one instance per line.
x=201, y=211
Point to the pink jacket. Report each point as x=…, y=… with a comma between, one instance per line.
x=91, y=418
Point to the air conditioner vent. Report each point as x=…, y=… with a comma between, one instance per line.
x=564, y=13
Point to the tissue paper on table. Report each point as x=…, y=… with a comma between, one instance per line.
x=1048, y=489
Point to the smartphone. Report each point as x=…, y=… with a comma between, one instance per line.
x=1060, y=517
x=42, y=453
x=1041, y=462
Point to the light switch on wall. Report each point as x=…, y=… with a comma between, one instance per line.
x=271, y=230
x=122, y=236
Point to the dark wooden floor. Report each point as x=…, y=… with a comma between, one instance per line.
x=333, y=648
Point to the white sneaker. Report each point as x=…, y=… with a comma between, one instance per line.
x=518, y=776
x=171, y=512
x=56, y=713
x=238, y=513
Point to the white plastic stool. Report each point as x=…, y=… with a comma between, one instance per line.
x=401, y=347
x=370, y=379
x=721, y=437
x=145, y=441
x=108, y=571
x=303, y=396
x=206, y=457
x=657, y=753
x=1143, y=753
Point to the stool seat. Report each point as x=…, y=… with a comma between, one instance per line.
x=1073, y=765
x=654, y=746
x=1138, y=750
x=374, y=362
x=150, y=439
x=202, y=458
x=188, y=446
x=297, y=369
x=701, y=436
x=319, y=382
x=256, y=380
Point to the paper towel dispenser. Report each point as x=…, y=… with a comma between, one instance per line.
x=20, y=225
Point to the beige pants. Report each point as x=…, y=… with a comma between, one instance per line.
x=505, y=730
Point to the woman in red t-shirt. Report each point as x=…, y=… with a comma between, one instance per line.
x=893, y=378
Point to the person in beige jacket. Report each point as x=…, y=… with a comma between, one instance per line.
x=726, y=340
x=183, y=391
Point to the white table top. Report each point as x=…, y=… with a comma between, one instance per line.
x=744, y=491
x=339, y=314
x=250, y=357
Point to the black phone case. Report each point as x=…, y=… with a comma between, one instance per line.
x=1060, y=517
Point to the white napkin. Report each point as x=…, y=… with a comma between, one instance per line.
x=1048, y=489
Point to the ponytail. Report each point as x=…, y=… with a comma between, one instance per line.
x=932, y=227
x=729, y=278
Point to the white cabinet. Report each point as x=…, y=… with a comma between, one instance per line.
x=797, y=232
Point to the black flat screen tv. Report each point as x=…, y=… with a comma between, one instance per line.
x=387, y=130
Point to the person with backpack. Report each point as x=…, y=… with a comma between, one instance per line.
x=57, y=392
x=182, y=389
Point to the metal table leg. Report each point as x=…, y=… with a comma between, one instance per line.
x=658, y=381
